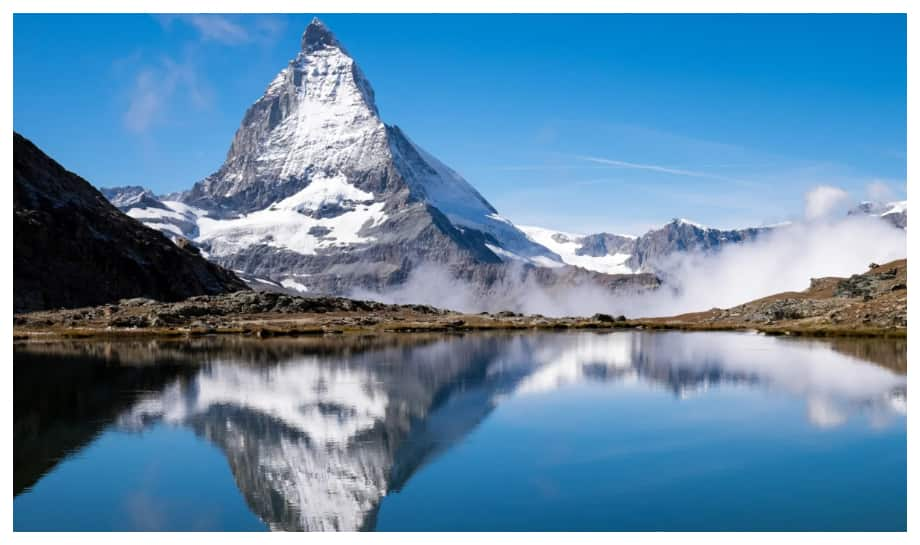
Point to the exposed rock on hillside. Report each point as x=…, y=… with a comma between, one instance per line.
x=72, y=248
x=876, y=299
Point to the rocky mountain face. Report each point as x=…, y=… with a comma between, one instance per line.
x=318, y=194
x=601, y=244
x=680, y=235
x=894, y=213
x=73, y=248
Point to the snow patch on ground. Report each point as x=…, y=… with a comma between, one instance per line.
x=153, y=214
x=185, y=210
x=294, y=285
x=323, y=191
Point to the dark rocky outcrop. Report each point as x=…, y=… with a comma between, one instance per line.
x=72, y=248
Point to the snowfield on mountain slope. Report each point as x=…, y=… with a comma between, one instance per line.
x=286, y=224
x=323, y=191
x=567, y=244
x=332, y=125
x=895, y=208
x=176, y=220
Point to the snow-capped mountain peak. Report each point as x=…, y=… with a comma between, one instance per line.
x=317, y=116
x=316, y=188
x=316, y=36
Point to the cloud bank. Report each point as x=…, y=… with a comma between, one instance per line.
x=783, y=260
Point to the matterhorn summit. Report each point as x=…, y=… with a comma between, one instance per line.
x=316, y=118
x=319, y=195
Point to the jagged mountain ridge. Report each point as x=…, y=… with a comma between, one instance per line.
x=627, y=254
x=685, y=236
x=606, y=253
x=624, y=254
x=72, y=247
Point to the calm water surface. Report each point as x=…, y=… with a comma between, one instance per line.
x=555, y=431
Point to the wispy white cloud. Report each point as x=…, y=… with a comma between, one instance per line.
x=823, y=200
x=640, y=166
x=156, y=86
x=880, y=190
x=526, y=168
x=218, y=28
x=230, y=29
x=145, y=102
x=673, y=171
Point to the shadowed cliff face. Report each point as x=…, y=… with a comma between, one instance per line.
x=317, y=432
x=72, y=248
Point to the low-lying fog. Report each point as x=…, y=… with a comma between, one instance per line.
x=823, y=243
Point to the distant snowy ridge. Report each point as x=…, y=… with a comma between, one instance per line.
x=624, y=254
x=572, y=248
x=627, y=254
x=894, y=212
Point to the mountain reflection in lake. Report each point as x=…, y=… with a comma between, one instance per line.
x=550, y=431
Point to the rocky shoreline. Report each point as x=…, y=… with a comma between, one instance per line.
x=870, y=304
x=269, y=314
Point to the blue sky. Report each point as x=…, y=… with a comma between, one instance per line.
x=575, y=122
